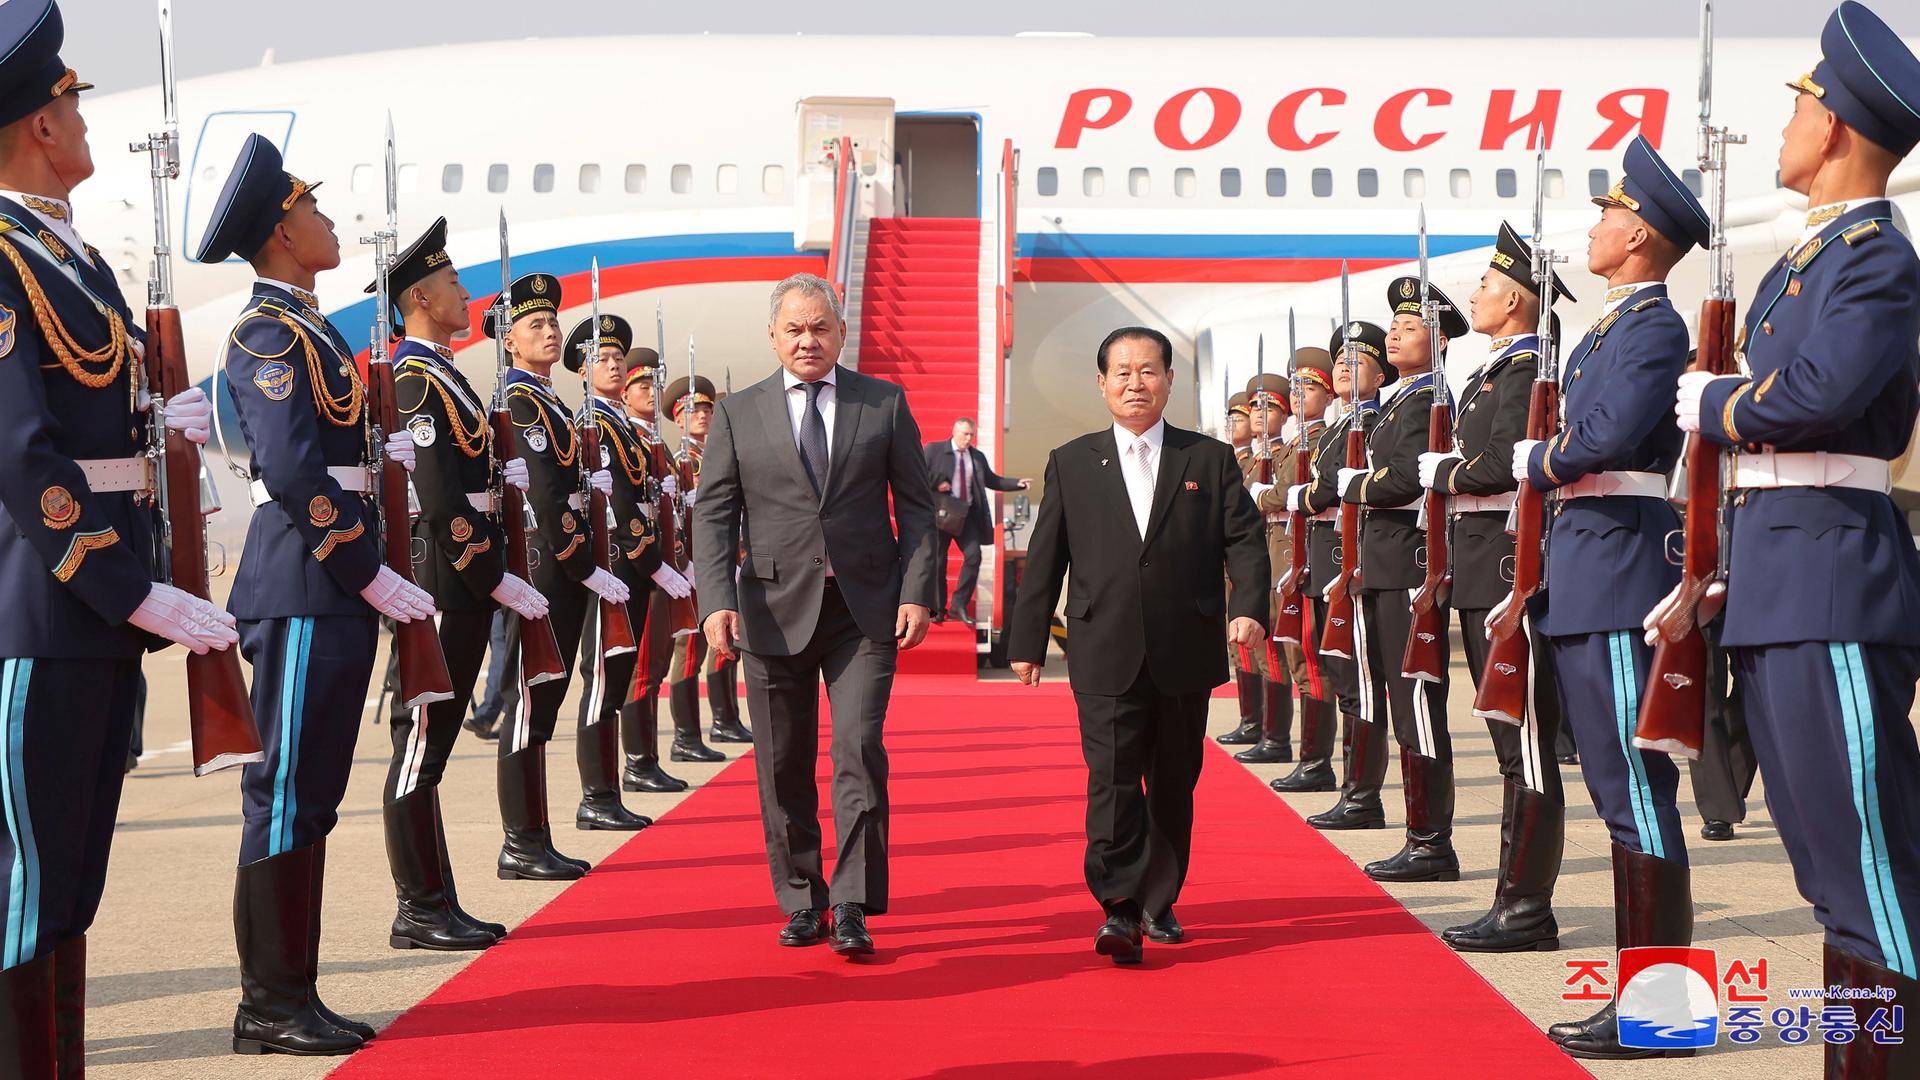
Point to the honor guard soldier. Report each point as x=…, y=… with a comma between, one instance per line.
x=308, y=594
x=1607, y=561
x=1824, y=580
x=1246, y=664
x=77, y=531
x=634, y=556
x=1478, y=479
x=459, y=558
x=690, y=405
x=1279, y=668
x=561, y=560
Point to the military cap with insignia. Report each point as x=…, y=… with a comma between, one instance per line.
x=1270, y=384
x=1404, y=295
x=1650, y=189
x=32, y=75
x=702, y=391
x=614, y=331
x=1238, y=404
x=529, y=293
x=423, y=258
x=641, y=363
x=1513, y=257
x=1365, y=337
x=258, y=195
x=1867, y=77
x=1314, y=365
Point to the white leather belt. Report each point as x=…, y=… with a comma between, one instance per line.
x=1475, y=504
x=1819, y=469
x=118, y=474
x=482, y=501
x=1646, y=485
x=352, y=478
x=1326, y=517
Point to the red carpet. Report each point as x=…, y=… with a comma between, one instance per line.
x=662, y=962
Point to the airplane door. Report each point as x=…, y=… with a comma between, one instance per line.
x=937, y=164
x=212, y=159
x=823, y=121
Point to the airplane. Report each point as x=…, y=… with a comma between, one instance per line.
x=1047, y=187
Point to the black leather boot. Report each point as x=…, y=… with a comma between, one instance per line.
x=1428, y=853
x=1276, y=727
x=1247, y=683
x=1657, y=910
x=1866, y=1058
x=1532, y=838
x=70, y=1008
x=640, y=728
x=425, y=920
x=27, y=1010
x=316, y=897
x=597, y=750
x=498, y=930
x=1318, y=722
x=273, y=921
x=1359, y=805
x=684, y=697
x=528, y=852
x=724, y=702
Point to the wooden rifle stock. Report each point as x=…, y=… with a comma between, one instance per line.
x=1337, y=639
x=423, y=666
x=1426, y=653
x=219, y=712
x=1292, y=622
x=1673, y=708
x=539, y=651
x=616, y=629
x=683, y=616
x=1502, y=693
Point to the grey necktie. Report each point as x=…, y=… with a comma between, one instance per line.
x=813, y=438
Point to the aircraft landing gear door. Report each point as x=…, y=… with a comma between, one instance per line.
x=211, y=160
x=937, y=161
x=823, y=122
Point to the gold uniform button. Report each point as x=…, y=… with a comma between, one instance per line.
x=1766, y=328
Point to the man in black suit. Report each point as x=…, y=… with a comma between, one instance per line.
x=1153, y=513
x=956, y=467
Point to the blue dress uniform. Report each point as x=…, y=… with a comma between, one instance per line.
x=311, y=547
x=1608, y=567
x=1824, y=580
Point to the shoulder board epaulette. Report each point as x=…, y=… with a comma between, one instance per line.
x=1863, y=231
x=1647, y=303
x=412, y=365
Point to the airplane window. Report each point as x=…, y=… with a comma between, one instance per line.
x=773, y=180
x=496, y=178
x=681, y=179
x=1322, y=183
x=1139, y=184
x=1093, y=183
x=1506, y=184
x=362, y=179
x=1230, y=183
x=1368, y=183
x=543, y=178
x=1556, y=184
x=1047, y=181
x=1460, y=182
x=726, y=180
x=1413, y=184
x=1183, y=183
x=589, y=179
x=450, y=178
x=409, y=179
x=636, y=179
x=1276, y=182
x=1597, y=183
x=1691, y=178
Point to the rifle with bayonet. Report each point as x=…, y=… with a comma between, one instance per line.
x=685, y=616
x=1343, y=591
x=219, y=712
x=1673, y=710
x=616, y=628
x=1426, y=653
x=1257, y=406
x=1292, y=623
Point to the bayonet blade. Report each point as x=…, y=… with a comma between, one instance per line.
x=506, y=273
x=592, y=345
x=393, y=184
x=1423, y=255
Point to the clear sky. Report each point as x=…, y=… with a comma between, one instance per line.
x=113, y=42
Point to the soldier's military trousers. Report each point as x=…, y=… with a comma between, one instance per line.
x=531, y=718
x=1525, y=751
x=423, y=736
x=1602, y=677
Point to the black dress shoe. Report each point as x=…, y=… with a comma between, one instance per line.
x=1165, y=928
x=1119, y=938
x=1418, y=860
x=961, y=617
x=1716, y=830
x=1567, y=759
x=1346, y=815
x=1522, y=925
x=735, y=732
x=484, y=730
x=1266, y=752
x=603, y=811
x=646, y=775
x=808, y=926
x=304, y=1033
x=694, y=750
x=1599, y=1039
x=849, y=936
x=1246, y=734
x=1314, y=775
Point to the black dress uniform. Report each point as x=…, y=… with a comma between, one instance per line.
x=690, y=650
x=311, y=547
x=640, y=710
x=1281, y=665
x=1248, y=665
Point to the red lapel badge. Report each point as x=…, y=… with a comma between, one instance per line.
x=1193, y=486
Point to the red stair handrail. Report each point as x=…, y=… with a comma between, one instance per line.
x=1009, y=248
x=840, y=247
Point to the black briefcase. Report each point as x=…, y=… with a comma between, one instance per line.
x=949, y=513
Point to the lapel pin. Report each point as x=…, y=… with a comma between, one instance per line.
x=1193, y=485
x=1103, y=463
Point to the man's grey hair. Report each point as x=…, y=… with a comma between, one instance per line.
x=809, y=285
x=967, y=420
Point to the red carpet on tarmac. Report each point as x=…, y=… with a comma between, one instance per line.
x=662, y=962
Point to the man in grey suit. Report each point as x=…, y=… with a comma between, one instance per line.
x=797, y=473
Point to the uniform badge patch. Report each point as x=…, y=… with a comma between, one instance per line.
x=54, y=245
x=422, y=430
x=58, y=510
x=275, y=380
x=1793, y=287
x=321, y=512
x=635, y=527
x=606, y=458
x=461, y=530
x=7, y=325
x=537, y=439
x=566, y=521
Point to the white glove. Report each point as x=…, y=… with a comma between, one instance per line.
x=515, y=472
x=190, y=413
x=1431, y=463
x=1347, y=477
x=1693, y=386
x=602, y=481
x=1522, y=456
x=670, y=580
x=608, y=587
x=1257, y=489
x=687, y=498
x=669, y=486
x=1290, y=430
x=184, y=619
x=400, y=449
x=1296, y=497
x=397, y=598
x=646, y=510
x=514, y=594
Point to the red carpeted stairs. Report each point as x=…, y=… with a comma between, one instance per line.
x=920, y=327
x=662, y=961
